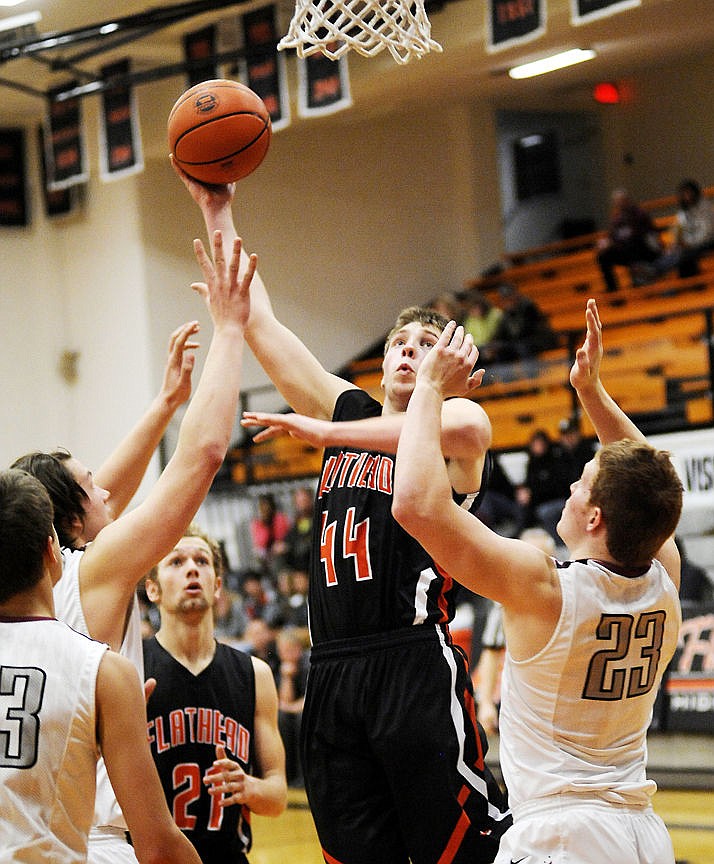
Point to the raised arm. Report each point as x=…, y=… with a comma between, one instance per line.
x=266, y=792
x=127, y=548
x=121, y=728
x=301, y=379
x=124, y=469
x=609, y=420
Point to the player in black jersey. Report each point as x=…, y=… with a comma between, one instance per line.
x=393, y=759
x=212, y=717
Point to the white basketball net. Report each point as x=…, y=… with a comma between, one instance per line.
x=367, y=26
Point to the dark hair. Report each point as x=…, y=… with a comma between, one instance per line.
x=416, y=314
x=692, y=186
x=640, y=496
x=66, y=494
x=25, y=525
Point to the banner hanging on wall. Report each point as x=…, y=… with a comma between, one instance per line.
x=199, y=49
x=323, y=85
x=65, y=146
x=588, y=10
x=509, y=23
x=263, y=66
x=13, y=187
x=120, y=152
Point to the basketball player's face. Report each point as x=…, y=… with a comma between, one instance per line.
x=407, y=349
x=187, y=578
x=97, y=509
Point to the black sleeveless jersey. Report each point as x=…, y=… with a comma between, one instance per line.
x=187, y=716
x=368, y=576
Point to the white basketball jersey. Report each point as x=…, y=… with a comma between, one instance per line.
x=68, y=608
x=574, y=717
x=48, y=746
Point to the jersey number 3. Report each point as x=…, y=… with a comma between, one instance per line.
x=612, y=673
x=21, y=692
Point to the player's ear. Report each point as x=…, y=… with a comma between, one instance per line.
x=153, y=592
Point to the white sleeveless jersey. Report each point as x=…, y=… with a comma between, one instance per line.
x=68, y=608
x=574, y=717
x=48, y=746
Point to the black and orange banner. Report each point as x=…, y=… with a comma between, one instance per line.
x=324, y=85
x=511, y=23
x=199, y=50
x=119, y=134
x=65, y=148
x=13, y=185
x=264, y=66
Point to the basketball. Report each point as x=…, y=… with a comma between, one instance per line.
x=219, y=131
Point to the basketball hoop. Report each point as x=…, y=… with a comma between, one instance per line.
x=367, y=26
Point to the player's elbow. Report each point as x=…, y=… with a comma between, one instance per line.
x=410, y=510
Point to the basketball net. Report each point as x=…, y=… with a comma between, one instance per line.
x=367, y=26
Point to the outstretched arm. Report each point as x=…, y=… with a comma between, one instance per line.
x=465, y=436
x=609, y=420
x=266, y=792
x=124, y=469
x=127, y=548
x=301, y=379
x=121, y=731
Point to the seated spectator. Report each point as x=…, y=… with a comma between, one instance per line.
x=575, y=450
x=632, y=238
x=693, y=234
x=259, y=641
x=523, y=329
x=257, y=597
x=291, y=680
x=268, y=531
x=482, y=318
x=546, y=486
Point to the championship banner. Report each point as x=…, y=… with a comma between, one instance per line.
x=511, y=23
x=199, y=49
x=263, y=66
x=13, y=188
x=65, y=147
x=689, y=682
x=323, y=85
x=582, y=11
x=120, y=152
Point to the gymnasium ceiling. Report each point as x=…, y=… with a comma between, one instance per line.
x=658, y=32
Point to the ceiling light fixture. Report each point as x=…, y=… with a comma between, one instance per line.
x=550, y=64
x=18, y=21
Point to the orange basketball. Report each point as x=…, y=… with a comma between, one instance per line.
x=219, y=131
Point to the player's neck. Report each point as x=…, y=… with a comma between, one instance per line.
x=36, y=602
x=190, y=642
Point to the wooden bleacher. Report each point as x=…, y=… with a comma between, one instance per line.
x=658, y=344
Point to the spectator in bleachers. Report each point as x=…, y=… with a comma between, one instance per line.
x=693, y=233
x=523, y=329
x=257, y=597
x=499, y=508
x=298, y=540
x=546, y=486
x=482, y=318
x=632, y=238
x=695, y=587
x=575, y=450
x=268, y=531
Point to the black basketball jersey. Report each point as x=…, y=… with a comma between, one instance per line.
x=368, y=576
x=187, y=716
